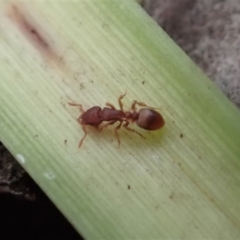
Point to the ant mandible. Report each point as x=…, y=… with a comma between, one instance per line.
x=146, y=118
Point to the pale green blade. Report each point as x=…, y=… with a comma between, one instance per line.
x=182, y=182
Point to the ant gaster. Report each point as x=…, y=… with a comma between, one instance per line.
x=145, y=118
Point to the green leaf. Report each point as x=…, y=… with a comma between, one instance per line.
x=182, y=182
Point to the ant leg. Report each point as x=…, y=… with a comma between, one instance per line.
x=133, y=107
x=116, y=133
x=110, y=105
x=120, y=101
x=105, y=125
x=141, y=104
x=81, y=141
x=125, y=125
x=77, y=105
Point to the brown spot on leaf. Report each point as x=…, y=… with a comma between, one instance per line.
x=33, y=32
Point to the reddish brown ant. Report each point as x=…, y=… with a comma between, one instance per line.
x=145, y=118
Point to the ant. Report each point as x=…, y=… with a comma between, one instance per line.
x=146, y=118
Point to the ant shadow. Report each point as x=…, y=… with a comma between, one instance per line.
x=107, y=136
x=152, y=140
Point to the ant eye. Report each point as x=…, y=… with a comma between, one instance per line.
x=149, y=119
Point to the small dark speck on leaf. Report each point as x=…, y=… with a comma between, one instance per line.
x=181, y=135
x=65, y=141
x=143, y=82
x=179, y=164
x=129, y=186
x=172, y=195
x=82, y=86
